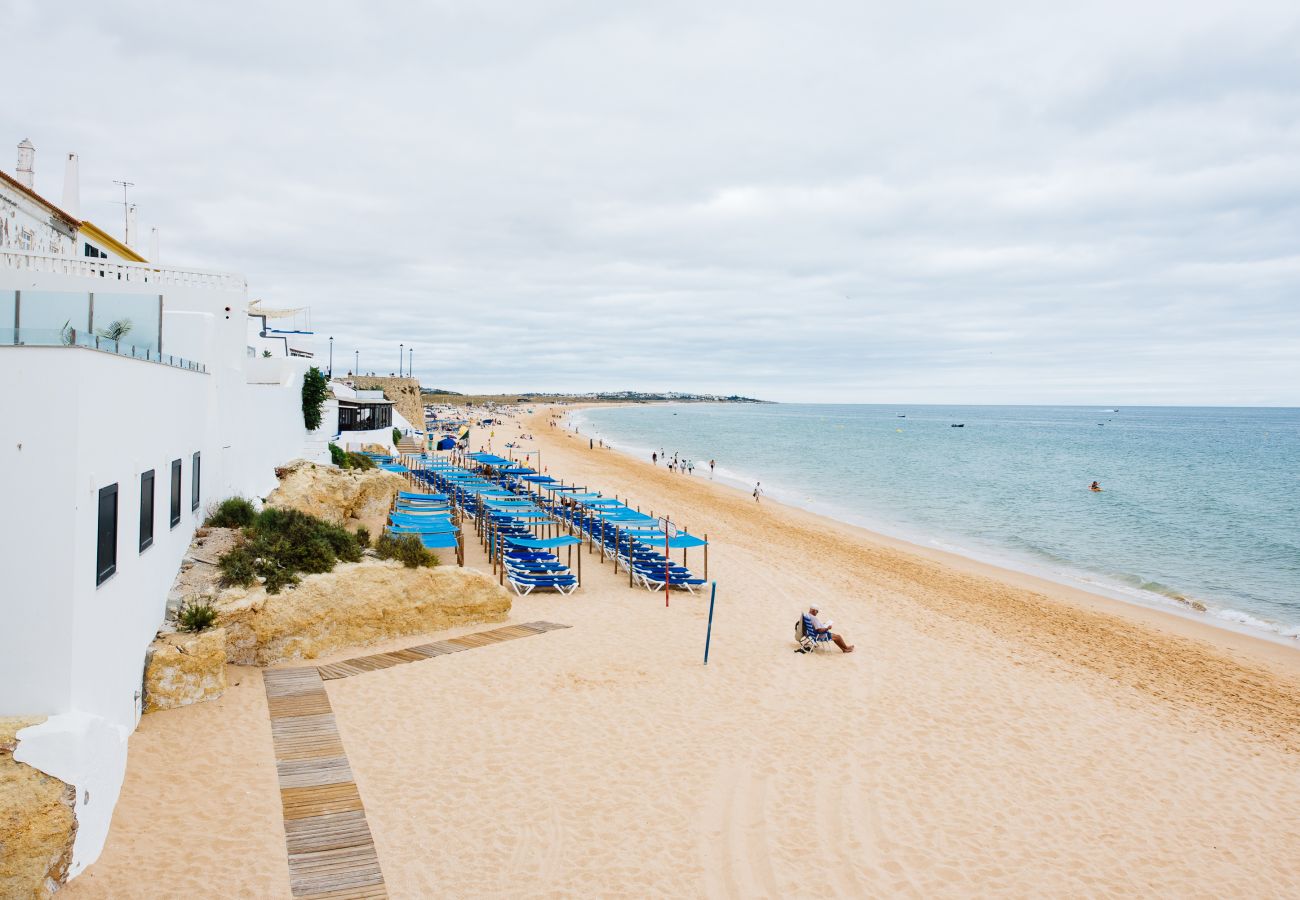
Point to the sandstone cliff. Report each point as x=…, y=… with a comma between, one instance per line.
x=343, y=497
x=185, y=668
x=356, y=604
x=404, y=392
x=37, y=822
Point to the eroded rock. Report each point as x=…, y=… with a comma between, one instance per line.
x=342, y=497
x=356, y=604
x=185, y=668
x=37, y=821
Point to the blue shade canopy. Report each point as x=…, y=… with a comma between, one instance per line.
x=539, y=479
x=543, y=543
x=407, y=495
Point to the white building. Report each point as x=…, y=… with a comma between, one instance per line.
x=110, y=453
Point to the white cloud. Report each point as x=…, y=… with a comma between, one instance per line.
x=942, y=202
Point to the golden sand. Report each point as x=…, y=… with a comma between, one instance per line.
x=994, y=734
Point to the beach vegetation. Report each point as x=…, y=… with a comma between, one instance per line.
x=406, y=548
x=196, y=615
x=362, y=534
x=397, y=436
x=345, y=459
x=315, y=391
x=280, y=545
x=233, y=512
x=266, y=354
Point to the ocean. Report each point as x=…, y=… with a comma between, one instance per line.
x=1199, y=506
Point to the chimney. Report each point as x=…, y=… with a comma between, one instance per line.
x=153, y=244
x=26, y=164
x=130, y=226
x=71, y=187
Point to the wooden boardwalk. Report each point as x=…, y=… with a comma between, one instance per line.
x=362, y=664
x=331, y=853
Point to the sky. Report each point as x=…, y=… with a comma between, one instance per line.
x=817, y=201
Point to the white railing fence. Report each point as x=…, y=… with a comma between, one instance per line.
x=134, y=273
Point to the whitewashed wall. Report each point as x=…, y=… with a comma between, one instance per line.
x=77, y=420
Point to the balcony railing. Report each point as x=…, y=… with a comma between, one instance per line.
x=71, y=337
x=134, y=273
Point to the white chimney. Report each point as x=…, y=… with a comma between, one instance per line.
x=26, y=164
x=130, y=226
x=153, y=244
x=71, y=187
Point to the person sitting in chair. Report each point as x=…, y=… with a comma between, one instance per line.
x=815, y=624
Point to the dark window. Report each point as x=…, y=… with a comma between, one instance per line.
x=365, y=417
x=106, y=546
x=194, y=484
x=176, y=492
x=146, y=510
x=95, y=252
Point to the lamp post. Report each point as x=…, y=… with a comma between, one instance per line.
x=331, y=357
x=410, y=366
x=356, y=366
x=401, y=358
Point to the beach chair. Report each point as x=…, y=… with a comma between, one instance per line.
x=809, y=640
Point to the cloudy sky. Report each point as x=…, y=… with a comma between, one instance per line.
x=842, y=201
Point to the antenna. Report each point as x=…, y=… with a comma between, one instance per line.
x=126, y=221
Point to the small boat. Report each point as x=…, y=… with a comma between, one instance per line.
x=901, y=416
x=962, y=425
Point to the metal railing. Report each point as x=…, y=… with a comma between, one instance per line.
x=71, y=337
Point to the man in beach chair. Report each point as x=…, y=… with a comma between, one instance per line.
x=811, y=632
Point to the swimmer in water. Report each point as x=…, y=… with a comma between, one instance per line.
x=1095, y=487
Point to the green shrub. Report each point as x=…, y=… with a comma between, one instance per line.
x=315, y=391
x=233, y=512
x=281, y=544
x=238, y=568
x=397, y=436
x=363, y=537
x=360, y=461
x=405, y=548
x=196, y=615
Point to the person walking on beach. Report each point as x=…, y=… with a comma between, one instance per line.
x=690, y=467
x=654, y=457
x=758, y=491
x=818, y=627
x=710, y=470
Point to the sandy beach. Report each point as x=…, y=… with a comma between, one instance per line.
x=994, y=734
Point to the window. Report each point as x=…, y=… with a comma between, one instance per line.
x=146, y=510
x=176, y=492
x=95, y=252
x=106, y=546
x=194, y=484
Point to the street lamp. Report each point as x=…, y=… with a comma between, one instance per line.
x=331, y=357
x=410, y=367
x=356, y=366
x=401, y=358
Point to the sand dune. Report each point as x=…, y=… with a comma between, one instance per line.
x=992, y=735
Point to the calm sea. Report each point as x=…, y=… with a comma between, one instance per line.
x=1197, y=503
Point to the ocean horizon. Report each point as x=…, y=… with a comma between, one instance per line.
x=1198, y=513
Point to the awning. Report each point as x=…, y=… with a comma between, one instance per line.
x=544, y=543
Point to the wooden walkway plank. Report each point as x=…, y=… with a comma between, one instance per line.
x=330, y=849
x=373, y=663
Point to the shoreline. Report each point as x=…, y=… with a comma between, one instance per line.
x=1006, y=563
x=1227, y=671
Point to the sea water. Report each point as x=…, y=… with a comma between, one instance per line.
x=1198, y=505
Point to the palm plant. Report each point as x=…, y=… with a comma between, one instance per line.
x=116, y=329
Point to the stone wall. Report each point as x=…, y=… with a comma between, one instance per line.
x=404, y=392
x=356, y=604
x=37, y=822
x=181, y=669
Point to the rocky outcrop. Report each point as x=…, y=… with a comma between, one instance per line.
x=37, y=821
x=356, y=604
x=181, y=669
x=404, y=392
x=343, y=497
